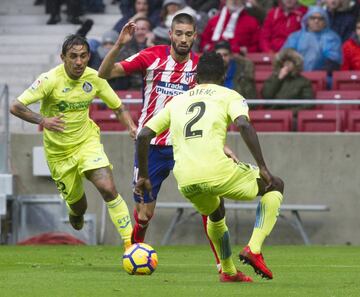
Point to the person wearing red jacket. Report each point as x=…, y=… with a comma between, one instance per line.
x=351, y=50
x=279, y=23
x=233, y=24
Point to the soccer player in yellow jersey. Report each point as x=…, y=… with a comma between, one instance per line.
x=71, y=139
x=198, y=121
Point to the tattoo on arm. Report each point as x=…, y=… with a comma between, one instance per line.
x=23, y=112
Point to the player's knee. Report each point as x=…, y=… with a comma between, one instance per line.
x=108, y=191
x=278, y=184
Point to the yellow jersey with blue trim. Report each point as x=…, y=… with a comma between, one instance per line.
x=59, y=94
x=198, y=122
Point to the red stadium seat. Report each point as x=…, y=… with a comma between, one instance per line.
x=318, y=79
x=353, y=123
x=262, y=61
x=131, y=95
x=260, y=77
x=106, y=120
x=321, y=120
x=338, y=95
x=272, y=120
x=346, y=80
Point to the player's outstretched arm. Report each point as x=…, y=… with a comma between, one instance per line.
x=248, y=133
x=23, y=112
x=124, y=117
x=108, y=68
x=142, y=149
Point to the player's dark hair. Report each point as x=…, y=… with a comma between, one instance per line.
x=211, y=68
x=183, y=18
x=74, y=39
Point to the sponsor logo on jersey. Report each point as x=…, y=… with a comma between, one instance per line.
x=87, y=87
x=171, y=89
x=73, y=106
x=35, y=84
x=66, y=89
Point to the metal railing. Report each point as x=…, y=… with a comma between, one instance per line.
x=5, y=132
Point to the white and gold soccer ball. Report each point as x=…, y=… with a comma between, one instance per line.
x=140, y=259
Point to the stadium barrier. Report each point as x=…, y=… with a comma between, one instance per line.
x=326, y=115
x=294, y=209
x=6, y=179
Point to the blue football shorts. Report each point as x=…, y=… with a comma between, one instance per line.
x=161, y=162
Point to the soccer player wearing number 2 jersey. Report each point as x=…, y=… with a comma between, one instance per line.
x=71, y=139
x=198, y=121
x=167, y=71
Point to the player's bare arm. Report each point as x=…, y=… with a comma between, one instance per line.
x=23, y=112
x=251, y=139
x=142, y=147
x=230, y=154
x=108, y=68
x=124, y=117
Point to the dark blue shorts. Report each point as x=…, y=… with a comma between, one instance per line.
x=161, y=162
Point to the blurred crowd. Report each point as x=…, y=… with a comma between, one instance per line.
x=303, y=35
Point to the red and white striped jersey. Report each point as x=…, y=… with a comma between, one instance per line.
x=164, y=78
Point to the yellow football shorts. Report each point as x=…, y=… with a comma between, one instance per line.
x=242, y=185
x=68, y=173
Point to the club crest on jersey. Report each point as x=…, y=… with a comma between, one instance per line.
x=189, y=76
x=87, y=87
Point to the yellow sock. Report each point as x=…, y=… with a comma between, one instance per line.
x=266, y=216
x=219, y=235
x=119, y=214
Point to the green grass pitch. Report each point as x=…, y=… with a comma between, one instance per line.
x=183, y=271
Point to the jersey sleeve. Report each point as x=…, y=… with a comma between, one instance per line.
x=160, y=122
x=39, y=90
x=107, y=94
x=136, y=62
x=237, y=106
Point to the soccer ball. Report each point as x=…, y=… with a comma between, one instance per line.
x=140, y=259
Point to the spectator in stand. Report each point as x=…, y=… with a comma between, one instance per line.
x=257, y=9
x=94, y=6
x=170, y=8
x=132, y=10
x=239, y=71
x=73, y=11
x=203, y=5
x=351, y=50
x=140, y=9
x=235, y=25
x=280, y=22
x=342, y=19
x=107, y=41
x=319, y=46
x=143, y=38
x=286, y=81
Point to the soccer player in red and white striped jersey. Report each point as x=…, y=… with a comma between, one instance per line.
x=167, y=71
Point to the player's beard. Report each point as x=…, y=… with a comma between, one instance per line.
x=180, y=51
